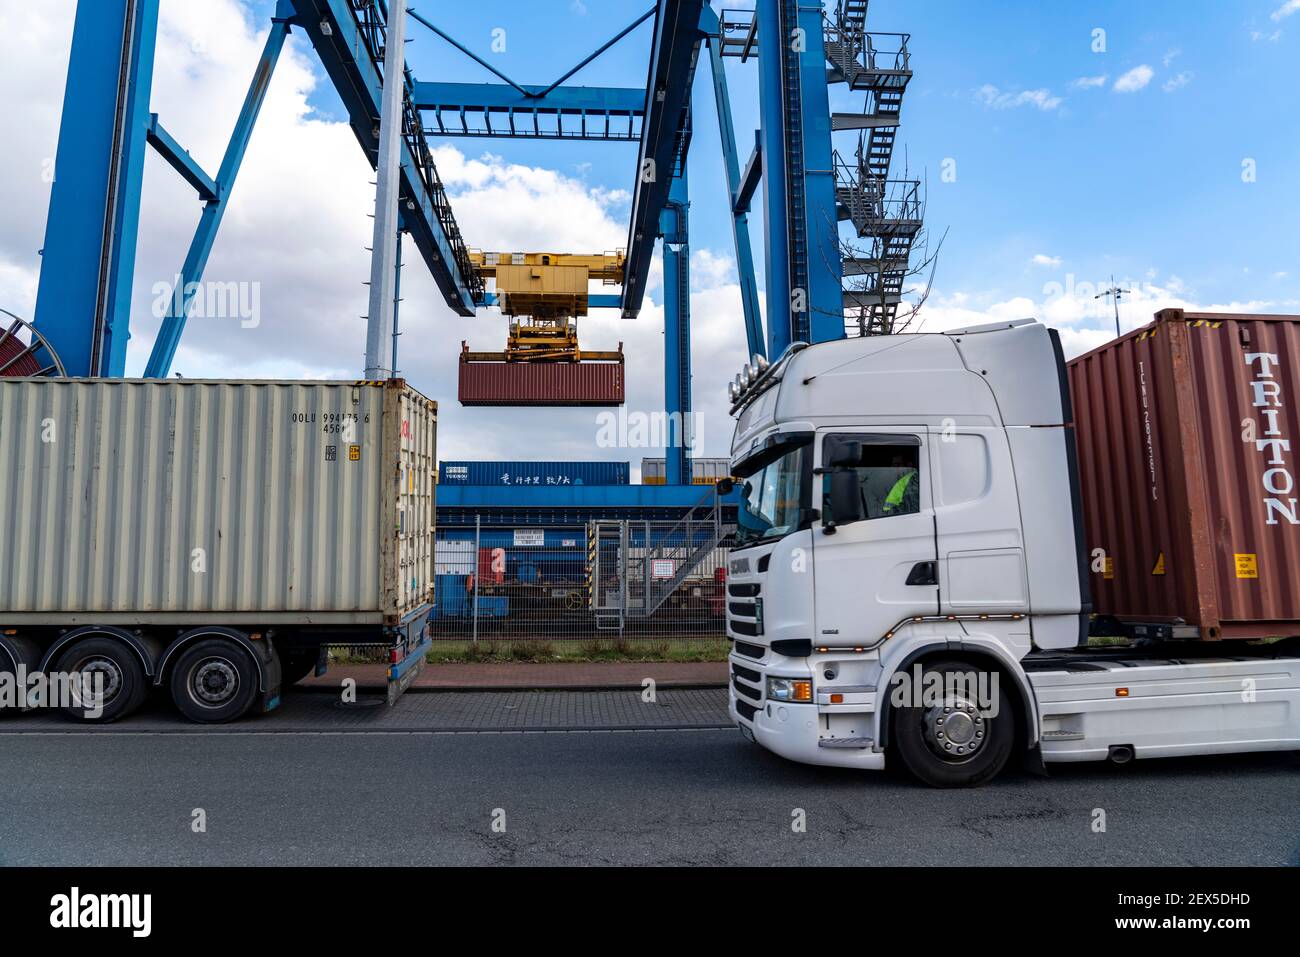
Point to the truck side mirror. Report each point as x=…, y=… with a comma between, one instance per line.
x=843, y=499
x=844, y=455
x=724, y=486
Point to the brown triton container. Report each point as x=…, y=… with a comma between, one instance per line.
x=541, y=383
x=1189, y=446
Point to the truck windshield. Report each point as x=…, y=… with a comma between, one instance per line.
x=770, y=497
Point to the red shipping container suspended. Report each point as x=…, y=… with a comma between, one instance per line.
x=1188, y=434
x=540, y=383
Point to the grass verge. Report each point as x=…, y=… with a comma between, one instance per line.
x=576, y=650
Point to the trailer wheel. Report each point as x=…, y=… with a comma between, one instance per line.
x=954, y=742
x=103, y=659
x=214, y=681
x=294, y=666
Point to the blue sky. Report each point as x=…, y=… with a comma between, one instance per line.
x=1145, y=184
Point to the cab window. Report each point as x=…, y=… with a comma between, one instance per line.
x=886, y=478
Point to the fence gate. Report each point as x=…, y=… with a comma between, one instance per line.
x=607, y=551
x=539, y=589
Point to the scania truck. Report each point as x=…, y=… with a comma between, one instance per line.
x=912, y=579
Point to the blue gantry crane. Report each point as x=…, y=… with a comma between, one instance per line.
x=82, y=319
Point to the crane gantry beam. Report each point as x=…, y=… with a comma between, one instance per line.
x=674, y=54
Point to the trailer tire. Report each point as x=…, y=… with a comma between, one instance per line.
x=294, y=666
x=125, y=685
x=214, y=681
x=969, y=757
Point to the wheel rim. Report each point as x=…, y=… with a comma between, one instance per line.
x=956, y=730
x=113, y=678
x=214, y=682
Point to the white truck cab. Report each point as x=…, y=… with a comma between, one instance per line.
x=910, y=572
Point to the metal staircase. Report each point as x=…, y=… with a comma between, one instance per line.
x=684, y=545
x=627, y=582
x=852, y=13
x=887, y=213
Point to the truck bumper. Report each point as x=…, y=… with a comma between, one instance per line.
x=793, y=731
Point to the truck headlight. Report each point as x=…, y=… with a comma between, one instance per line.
x=789, y=689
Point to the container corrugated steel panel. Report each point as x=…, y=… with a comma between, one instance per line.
x=1185, y=434
x=541, y=383
x=704, y=471
x=533, y=473
x=209, y=502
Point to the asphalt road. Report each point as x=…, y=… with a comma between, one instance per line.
x=666, y=796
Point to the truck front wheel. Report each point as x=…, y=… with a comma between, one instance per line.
x=214, y=681
x=958, y=728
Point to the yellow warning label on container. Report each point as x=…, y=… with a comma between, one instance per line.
x=1159, y=568
x=354, y=453
x=1247, y=565
x=1109, y=569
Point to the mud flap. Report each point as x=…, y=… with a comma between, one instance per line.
x=1033, y=761
x=403, y=673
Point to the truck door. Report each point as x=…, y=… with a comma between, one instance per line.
x=977, y=518
x=875, y=563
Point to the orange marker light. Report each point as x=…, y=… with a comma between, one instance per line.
x=837, y=699
x=1121, y=692
x=803, y=691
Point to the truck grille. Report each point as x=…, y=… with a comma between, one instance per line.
x=748, y=683
x=742, y=616
x=749, y=674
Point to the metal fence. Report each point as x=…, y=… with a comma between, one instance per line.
x=537, y=590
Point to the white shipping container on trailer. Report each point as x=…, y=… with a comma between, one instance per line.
x=298, y=511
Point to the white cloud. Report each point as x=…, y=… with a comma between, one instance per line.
x=1089, y=82
x=710, y=269
x=1134, y=80
x=1069, y=305
x=1257, y=35
x=1169, y=57
x=1042, y=259
x=1178, y=81
x=990, y=96
x=1284, y=11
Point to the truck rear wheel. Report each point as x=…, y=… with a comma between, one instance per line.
x=214, y=681
x=954, y=740
x=99, y=659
